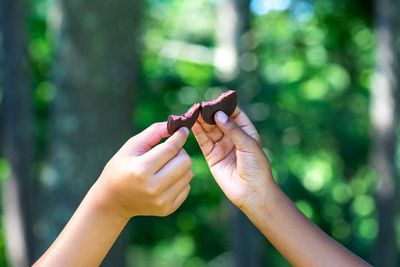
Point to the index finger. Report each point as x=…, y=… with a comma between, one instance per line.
x=243, y=121
x=145, y=140
x=162, y=153
x=213, y=132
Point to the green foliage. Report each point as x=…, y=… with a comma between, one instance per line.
x=314, y=63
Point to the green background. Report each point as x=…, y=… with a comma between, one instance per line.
x=308, y=90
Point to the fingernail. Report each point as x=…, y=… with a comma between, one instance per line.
x=185, y=130
x=221, y=117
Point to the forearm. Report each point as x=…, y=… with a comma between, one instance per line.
x=87, y=237
x=300, y=241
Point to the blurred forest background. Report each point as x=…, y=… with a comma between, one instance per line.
x=320, y=79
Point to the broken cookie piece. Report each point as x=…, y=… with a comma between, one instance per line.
x=226, y=102
x=185, y=120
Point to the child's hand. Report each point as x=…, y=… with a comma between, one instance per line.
x=235, y=157
x=145, y=180
x=240, y=167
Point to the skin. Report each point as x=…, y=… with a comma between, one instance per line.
x=234, y=154
x=143, y=178
x=147, y=178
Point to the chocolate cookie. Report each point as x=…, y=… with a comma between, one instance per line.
x=226, y=102
x=185, y=120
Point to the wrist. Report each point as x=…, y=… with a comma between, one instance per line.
x=102, y=203
x=263, y=202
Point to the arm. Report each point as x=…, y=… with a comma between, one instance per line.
x=300, y=241
x=141, y=179
x=87, y=237
x=233, y=152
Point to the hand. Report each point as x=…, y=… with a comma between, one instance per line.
x=234, y=154
x=145, y=180
x=236, y=160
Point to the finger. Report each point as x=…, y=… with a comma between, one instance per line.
x=181, y=197
x=159, y=155
x=240, y=138
x=205, y=142
x=175, y=189
x=168, y=199
x=241, y=119
x=173, y=170
x=212, y=131
x=144, y=141
x=213, y=152
x=220, y=151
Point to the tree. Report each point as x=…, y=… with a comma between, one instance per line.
x=236, y=65
x=18, y=139
x=95, y=73
x=383, y=115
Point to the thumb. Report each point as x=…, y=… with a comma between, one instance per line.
x=240, y=138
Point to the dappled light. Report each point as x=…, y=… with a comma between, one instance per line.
x=306, y=74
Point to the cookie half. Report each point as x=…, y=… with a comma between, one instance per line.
x=226, y=102
x=185, y=120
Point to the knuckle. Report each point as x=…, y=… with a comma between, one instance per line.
x=138, y=172
x=188, y=177
x=165, y=213
x=153, y=191
x=187, y=161
x=172, y=148
x=160, y=204
x=231, y=127
x=186, y=192
x=131, y=140
x=257, y=138
x=155, y=125
x=252, y=142
x=165, y=210
x=153, y=128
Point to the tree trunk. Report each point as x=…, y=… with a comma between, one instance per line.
x=18, y=139
x=234, y=43
x=383, y=115
x=95, y=74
